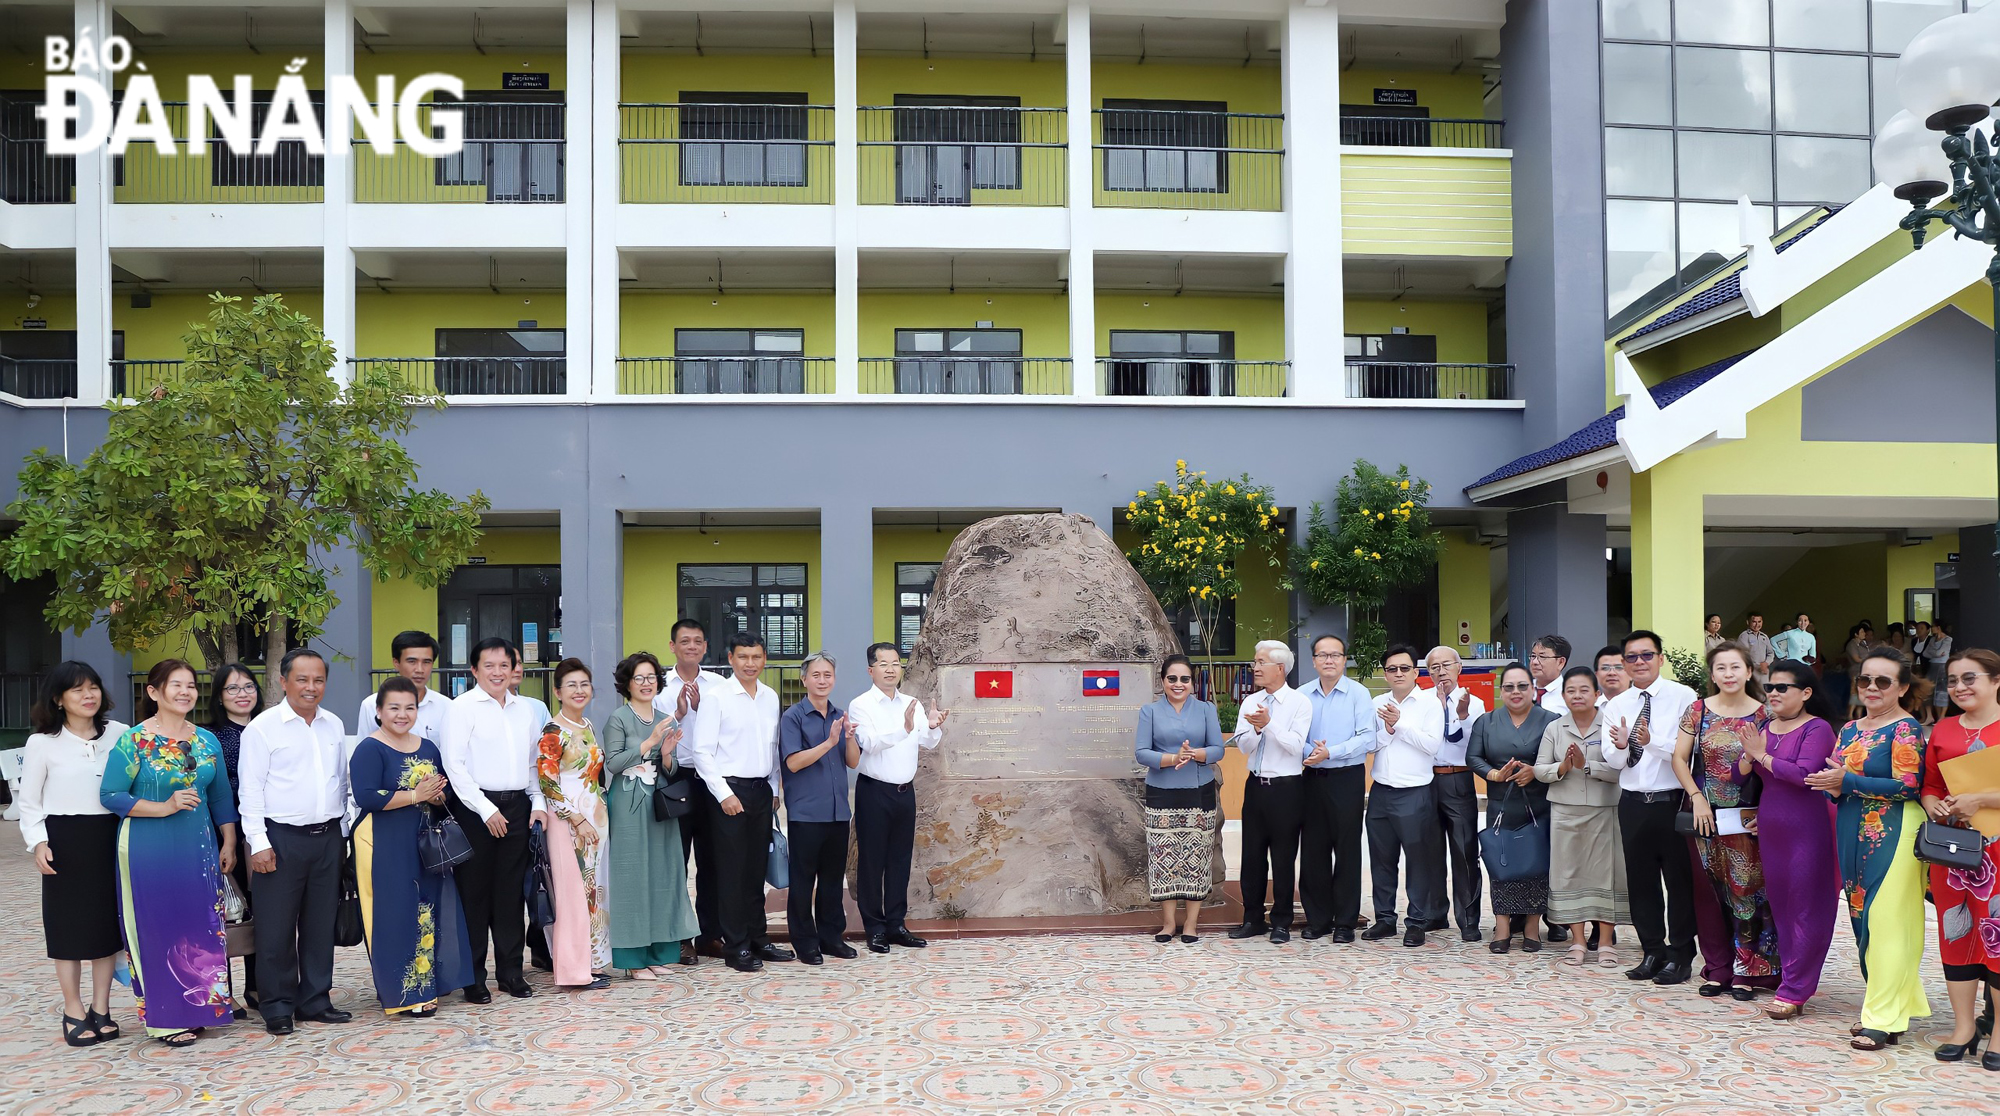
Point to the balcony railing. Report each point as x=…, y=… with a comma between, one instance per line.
x=725, y=376
x=138, y=379
x=1377, y=379
x=17, y=696
x=725, y=153
x=1402, y=131
x=513, y=154
x=1169, y=159
x=463, y=375
x=288, y=174
x=38, y=379
x=453, y=681
x=940, y=375
x=1221, y=379
x=29, y=175
x=930, y=155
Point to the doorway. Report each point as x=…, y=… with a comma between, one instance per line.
x=521, y=604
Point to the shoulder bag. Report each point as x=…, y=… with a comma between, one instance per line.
x=672, y=798
x=1950, y=846
x=539, y=885
x=1515, y=854
x=1747, y=799
x=348, y=929
x=778, y=861
x=441, y=844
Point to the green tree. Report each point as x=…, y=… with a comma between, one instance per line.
x=1191, y=538
x=1380, y=539
x=218, y=499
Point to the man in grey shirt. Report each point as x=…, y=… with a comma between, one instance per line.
x=1758, y=644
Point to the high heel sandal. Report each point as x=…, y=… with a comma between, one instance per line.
x=1780, y=1010
x=1871, y=1039
x=78, y=1032
x=105, y=1026
x=1960, y=1051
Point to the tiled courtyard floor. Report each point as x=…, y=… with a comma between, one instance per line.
x=1068, y=1025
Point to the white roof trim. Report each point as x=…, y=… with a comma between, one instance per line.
x=1770, y=278
x=1561, y=470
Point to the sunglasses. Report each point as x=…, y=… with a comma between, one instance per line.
x=1641, y=656
x=1876, y=681
x=1965, y=681
x=1180, y=677
x=1516, y=687
x=1397, y=669
x=1782, y=687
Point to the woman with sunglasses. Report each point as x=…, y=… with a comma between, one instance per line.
x=1739, y=945
x=1504, y=746
x=1586, y=868
x=233, y=699
x=1179, y=742
x=1967, y=907
x=1795, y=829
x=1874, y=774
x=571, y=770
x=165, y=778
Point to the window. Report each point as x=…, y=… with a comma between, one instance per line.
x=739, y=361
x=1150, y=362
x=287, y=165
x=1821, y=93
x=1188, y=629
x=1722, y=88
x=501, y=362
x=1639, y=161
x=1814, y=169
x=1743, y=22
x=950, y=146
x=742, y=128
x=1635, y=19
x=513, y=146
x=1823, y=24
x=1395, y=365
x=29, y=175
x=1638, y=86
x=958, y=361
x=1166, y=145
x=1725, y=165
x=768, y=600
x=913, y=595
x=41, y=363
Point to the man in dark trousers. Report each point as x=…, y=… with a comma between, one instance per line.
x=1335, y=787
x=891, y=726
x=818, y=749
x=680, y=696
x=736, y=754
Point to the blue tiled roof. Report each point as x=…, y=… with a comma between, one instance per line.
x=1728, y=290
x=1603, y=434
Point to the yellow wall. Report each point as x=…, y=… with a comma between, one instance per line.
x=1913, y=567
x=653, y=557
x=400, y=605
x=1465, y=589
x=1837, y=586
x=159, y=331
x=404, y=324
x=56, y=308
x=893, y=545
x=1043, y=320
x=1460, y=327
x=878, y=79
x=661, y=79
x=647, y=321
x=1426, y=205
x=1252, y=88
x=1449, y=96
x=480, y=72
x=1257, y=321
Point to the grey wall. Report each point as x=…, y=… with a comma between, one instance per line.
x=1933, y=382
x=1555, y=576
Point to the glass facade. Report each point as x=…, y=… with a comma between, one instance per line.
x=1706, y=101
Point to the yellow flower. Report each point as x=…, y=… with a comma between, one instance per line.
x=1315, y=564
x=1406, y=486
x=1219, y=569
x=1378, y=515
x=1180, y=466
x=1230, y=489
x=1375, y=555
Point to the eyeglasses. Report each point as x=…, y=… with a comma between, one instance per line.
x=645, y=679
x=1965, y=681
x=1782, y=687
x=579, y=685
x=1404, y=668
x=1328, y=656
x=1543, y=656
x=1180, y=677
x=1641, y=656
x=240, y=688
x=1516, y=687
x=1876, y=681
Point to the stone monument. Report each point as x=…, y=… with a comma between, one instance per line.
x=1043, y=642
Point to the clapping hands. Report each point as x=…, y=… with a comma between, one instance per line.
x=1829, y=778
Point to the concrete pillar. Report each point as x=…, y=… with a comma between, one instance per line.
x=1978, y=621
x=593, y=580
x=846, y=586
x=348, y=641
x=1668, y=569
x=93, y=234
x=1556, y=576
x=336, y=258
x=1315, y=342
x=605, y=189
x=1082, y=191
x=846, y=199
x=579, y=128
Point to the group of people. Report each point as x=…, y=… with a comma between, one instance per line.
x=1927, y=643
x=155, y=840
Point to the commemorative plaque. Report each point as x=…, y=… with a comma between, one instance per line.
x=1043, y=720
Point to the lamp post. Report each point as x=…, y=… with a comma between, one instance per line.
x=1948, y=80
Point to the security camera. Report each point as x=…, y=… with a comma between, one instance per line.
x=34, y=300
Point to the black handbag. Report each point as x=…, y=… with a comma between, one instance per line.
x=1950, y=846
x=672, y=798
x=348, y=929
x=441, y=844
x=1515, y=854
x=539, y=886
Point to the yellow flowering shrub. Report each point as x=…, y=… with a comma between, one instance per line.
x=1191, y=537
x=1378, y=539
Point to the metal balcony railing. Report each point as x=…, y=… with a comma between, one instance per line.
x=38, y=379
x=1170, y=159
x=464, y=375
x=452, y=681
x=672, y=152
x=513, y=154
x=1402, y=131
x=725, y=375
x=941, y=375
x=138, y=379
x=1220, y=379
x=29, y=175
x=288, y=174
x=955, y=155
x=1377, y=379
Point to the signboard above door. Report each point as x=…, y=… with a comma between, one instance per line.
x=541, y=81
x=1395, y=96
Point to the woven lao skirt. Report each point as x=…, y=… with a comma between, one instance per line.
x=1180, y=834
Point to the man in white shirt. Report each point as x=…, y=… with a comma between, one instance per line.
x=736, y=755
x=293, y=767
x=1402, y=806
x=1271, y=729
x=681, y=694
x=890, y=726
x=489, y=743
x=1640, y=728
x=415, y=655
x=1457, y=798
x=1611, y=677
x=1548, y=657
x=1757, y=644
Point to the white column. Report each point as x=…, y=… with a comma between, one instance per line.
x=93, y=235
x=578, y=258
x=846, y=218
x=1314, y=334
x=603, y=200
x=1082, y=190
x=336, y=258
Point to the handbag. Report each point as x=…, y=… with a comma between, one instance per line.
x=539, y=886
x=778, y=861
x=441, y=843
x=1950, y=846
x=672, y=798
x=1747, y=798
x=1515, y=854
x=348, y=929
x=238, y=930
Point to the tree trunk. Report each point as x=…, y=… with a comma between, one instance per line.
x=212, y=653
x=230, y=651
x=275, y=646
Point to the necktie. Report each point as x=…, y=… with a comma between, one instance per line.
x=1540, y=693
x=1645, y=717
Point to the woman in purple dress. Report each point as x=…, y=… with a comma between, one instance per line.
x=1795, y=830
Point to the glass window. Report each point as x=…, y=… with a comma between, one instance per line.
x=1636, y=85
x=1747, y=22
x=1639, y=161
x=1148, y=362
x=1635, y=19
x=1789, y=213
x=1821, y=93
x=1722, y=88
x=1159, y=145
x=1712, y=235
x=1639, y=249
x=1725, y=165
x=1825, y=24
x=914, y=581
x=1882, y=76
x=1823, y=170
x=768, y=600
x=1898, y=21
x=738, y=361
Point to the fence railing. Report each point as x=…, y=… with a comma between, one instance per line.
x=289, y=174
x=1166, y=159
x=1223, y=379
x=673, y=152
x=1223, y=682
x=29, y=175
x=453, y=681
x=17, y=696
x=725, y=375
x=955, y=155
x=966, y=375
x=1375, y=379
x=38, y=379
x=137, y=379
x=513, y=154
x=496, y=375
x=202, y=710
x=1402, y=131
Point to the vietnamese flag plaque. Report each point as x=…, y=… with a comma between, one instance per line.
x=1100, y=683
x=993, y=684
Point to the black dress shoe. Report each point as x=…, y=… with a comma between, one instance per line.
x=1960, y=1051
x=1673, y=972
x=878, y=943
x=330, y=1015
x=1711, y=991
x=1379, y=931
x=278, y=1024
x=1558, y=932
x=771, y=952
x=1469, y=934
x=516, y=988
x=1646, y=969
x=1280, y=935
x=1343, y=935
x=1743, y=994
x=1990, y=1060
x=690, y=953
x=1596, y=935
x=901, y=936
x=841, y=950
x=744, y=963
x=1248, y=930
x=1312, y=935
x=477, y=994
x=1414, y=936
x=811, y=959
